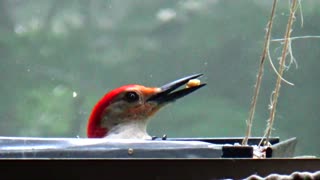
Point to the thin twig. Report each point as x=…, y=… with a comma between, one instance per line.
x=281, y=69
x=275, y=70
x=301, y=12
x=295, y=38
x=292, y=59
x=260, y=74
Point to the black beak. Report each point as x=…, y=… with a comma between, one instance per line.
x=167, y=93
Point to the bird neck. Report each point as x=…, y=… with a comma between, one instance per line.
x=135, y=129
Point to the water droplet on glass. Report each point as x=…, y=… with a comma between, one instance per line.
x=74, y=94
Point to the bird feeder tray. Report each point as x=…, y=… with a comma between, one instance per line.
x=171, y=158
x=73, y=148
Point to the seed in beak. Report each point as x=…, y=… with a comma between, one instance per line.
x=193, y=83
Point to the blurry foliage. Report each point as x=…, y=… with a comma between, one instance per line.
x=50, y=50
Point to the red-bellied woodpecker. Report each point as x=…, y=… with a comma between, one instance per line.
x=123, y=113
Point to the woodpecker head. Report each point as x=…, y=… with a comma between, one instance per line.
x=133, y=104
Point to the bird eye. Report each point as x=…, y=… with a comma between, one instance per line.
x=131, y=97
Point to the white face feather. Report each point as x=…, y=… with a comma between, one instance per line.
x=129, y=130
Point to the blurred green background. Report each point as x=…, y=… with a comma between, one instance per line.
x=59, y=57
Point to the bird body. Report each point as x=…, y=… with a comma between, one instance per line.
x=123, y=113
